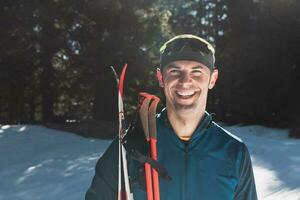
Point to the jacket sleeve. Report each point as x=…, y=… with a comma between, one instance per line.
x=104, y=185
x=245, y=189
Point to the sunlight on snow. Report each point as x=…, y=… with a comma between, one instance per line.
x=5, y=127
x=23, y=128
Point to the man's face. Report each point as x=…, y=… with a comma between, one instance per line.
x=186, y=84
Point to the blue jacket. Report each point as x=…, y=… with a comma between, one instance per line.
x=213, y=165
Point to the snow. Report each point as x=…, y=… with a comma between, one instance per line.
x=276, y=161
x=45, y=164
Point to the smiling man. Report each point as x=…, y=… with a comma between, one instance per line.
x=205, y=161
x=186, y=84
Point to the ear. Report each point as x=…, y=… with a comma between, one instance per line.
x=213, y=78
x=159, y=77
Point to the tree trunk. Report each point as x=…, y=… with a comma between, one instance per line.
x=47, y=93
x=105, y=104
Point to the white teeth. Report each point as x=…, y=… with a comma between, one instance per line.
x=185, y=93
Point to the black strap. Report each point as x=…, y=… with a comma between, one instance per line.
x=137, y=148
x=136, y=155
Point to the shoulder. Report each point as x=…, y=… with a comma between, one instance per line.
x=225, y=134
x=109, y=157
x=234, y=146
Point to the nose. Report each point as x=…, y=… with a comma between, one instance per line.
x=185, y=78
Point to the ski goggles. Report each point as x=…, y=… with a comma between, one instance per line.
x=187, y=47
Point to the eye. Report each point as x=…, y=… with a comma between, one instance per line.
x=197, y=72
x=174, y=71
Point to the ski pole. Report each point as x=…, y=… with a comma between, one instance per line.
x=153, y=140
x=143, y=111
x=147, y=114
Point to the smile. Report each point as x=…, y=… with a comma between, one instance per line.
x=185, y=94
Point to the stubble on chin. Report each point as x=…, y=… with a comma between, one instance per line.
x=184, y=108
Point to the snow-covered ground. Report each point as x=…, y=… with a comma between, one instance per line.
x=276, y=161
x=37, y=163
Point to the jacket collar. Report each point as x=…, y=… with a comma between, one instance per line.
x=198, y=133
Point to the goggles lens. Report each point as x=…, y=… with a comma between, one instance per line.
x=193, y=45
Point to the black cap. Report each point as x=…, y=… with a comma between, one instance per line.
x=187, y=47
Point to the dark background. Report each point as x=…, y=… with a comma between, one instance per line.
x=55, y=57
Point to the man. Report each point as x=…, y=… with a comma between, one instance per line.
x=204, y=160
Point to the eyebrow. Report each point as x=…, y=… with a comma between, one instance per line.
x=198, y=67
x=178, y=67
x=172, y=66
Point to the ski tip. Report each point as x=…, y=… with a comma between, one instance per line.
x=114, y=71
x=122, y=79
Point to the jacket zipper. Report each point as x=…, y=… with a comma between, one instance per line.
x=184, y=189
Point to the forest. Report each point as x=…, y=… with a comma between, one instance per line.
x=55, y=57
